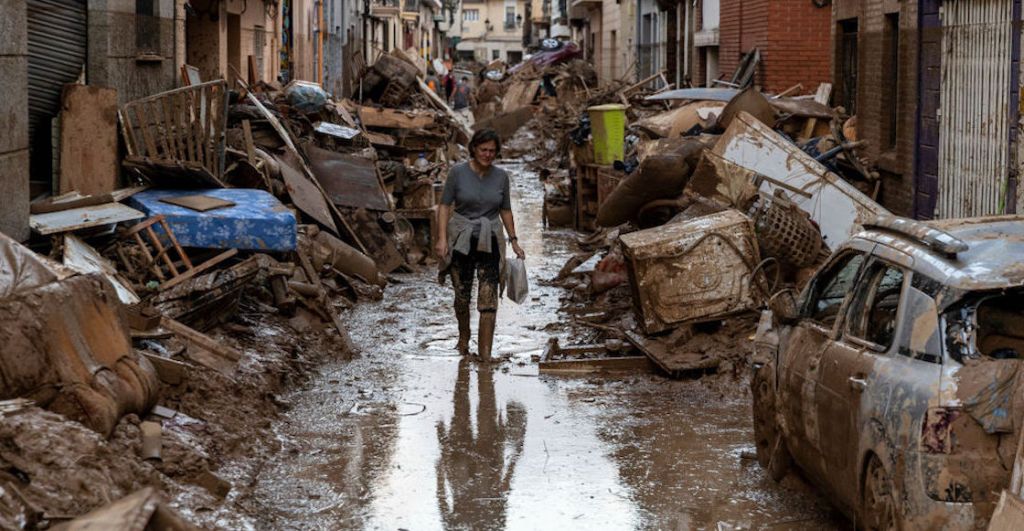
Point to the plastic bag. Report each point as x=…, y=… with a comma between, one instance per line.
x=305, y=96
x=516, y=285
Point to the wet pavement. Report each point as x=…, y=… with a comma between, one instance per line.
x=411, y=436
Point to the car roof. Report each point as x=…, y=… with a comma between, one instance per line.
x=994, y=258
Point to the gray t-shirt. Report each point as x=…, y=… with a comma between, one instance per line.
x=474, y=196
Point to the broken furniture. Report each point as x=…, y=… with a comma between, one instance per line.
x=65, y=346
x=82, y=218
x=835, y=205
x=692, y=271
x=612, y=356
x=141, y=511
x=257, y=221
x=152, y=254
x=177, y=137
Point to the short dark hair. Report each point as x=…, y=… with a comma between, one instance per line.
x=483, y=136
x=464, y=78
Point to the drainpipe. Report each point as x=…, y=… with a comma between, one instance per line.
x=319, y=60
x=639, y=37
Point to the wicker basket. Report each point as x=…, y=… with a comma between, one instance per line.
x=785, y=232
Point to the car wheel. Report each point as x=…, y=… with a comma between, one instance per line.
x=772, y=453
x=878, y=508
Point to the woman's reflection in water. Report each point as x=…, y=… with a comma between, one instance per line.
x=474, y=472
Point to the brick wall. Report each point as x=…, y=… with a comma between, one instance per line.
x=793, y=36
x=798, y=38
x=743, y=26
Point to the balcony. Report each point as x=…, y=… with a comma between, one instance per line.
x=384, y=8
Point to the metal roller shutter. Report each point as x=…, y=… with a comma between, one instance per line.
x=57, y=36
x=974, y=119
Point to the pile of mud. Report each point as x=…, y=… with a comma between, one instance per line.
x=53, y=469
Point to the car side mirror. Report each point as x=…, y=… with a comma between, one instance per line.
x=783, y=305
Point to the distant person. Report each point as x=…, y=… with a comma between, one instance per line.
x=449, y=85
x=462, y=95
x=432, y=81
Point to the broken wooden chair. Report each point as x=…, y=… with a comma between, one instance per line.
x=156, y=250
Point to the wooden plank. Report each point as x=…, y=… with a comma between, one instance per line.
x=201, y=339
x=1009, y=514
x=674, y=362
x=171, y=127
x=82, y=218
x=198, y=269
x=144, y=130
x=250, y=147
x=182, y=104
x=252, y=78
x=199, y=202
x=822, y=96
x=171, y=372
x=128, y=133
x=602, y=364
x=394, y=118
x=88, y=140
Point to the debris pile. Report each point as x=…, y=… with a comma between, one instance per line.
x=208, y=265
x=704, y=207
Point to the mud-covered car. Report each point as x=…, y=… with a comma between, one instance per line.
x=892, y=382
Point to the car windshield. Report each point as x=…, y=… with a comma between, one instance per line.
x=986, y=325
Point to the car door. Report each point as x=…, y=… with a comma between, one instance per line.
x=848, y=378
x=799, y=361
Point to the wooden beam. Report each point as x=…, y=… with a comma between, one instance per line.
x=822, y=96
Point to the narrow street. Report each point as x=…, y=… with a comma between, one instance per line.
x=410, y=436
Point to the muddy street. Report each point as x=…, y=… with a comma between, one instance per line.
x=411, y=436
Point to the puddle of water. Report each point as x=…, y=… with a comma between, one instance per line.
x=411, y=436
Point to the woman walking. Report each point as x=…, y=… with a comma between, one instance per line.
x=475, y=208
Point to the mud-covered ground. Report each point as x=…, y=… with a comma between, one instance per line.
x=410, y=436
x=404, y=434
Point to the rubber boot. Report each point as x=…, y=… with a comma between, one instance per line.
x=486, y=334
x=462, y=314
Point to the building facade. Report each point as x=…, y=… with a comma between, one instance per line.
x=489, y=30
x=935, y=86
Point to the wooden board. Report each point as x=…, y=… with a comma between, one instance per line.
x=1009, y=514
x=519, y=94
x=199, y=202
x=602, y=364
x=82, y=218
x=675, y=363
x=88, y=140
x=349, y=181
x=306, y=196
x=395, y=119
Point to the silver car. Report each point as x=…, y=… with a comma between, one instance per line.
x=891, y=383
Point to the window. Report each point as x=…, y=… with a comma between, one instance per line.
x=495, y=54
x=830, y=289
x=890, y=77
x=470, y=15
x=510, y=17
x=873, y=310
x=147, y=27
x=846, y=50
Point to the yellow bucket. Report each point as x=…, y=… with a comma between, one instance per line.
x=608, y=126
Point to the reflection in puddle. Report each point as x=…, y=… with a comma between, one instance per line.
x=478, y=459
